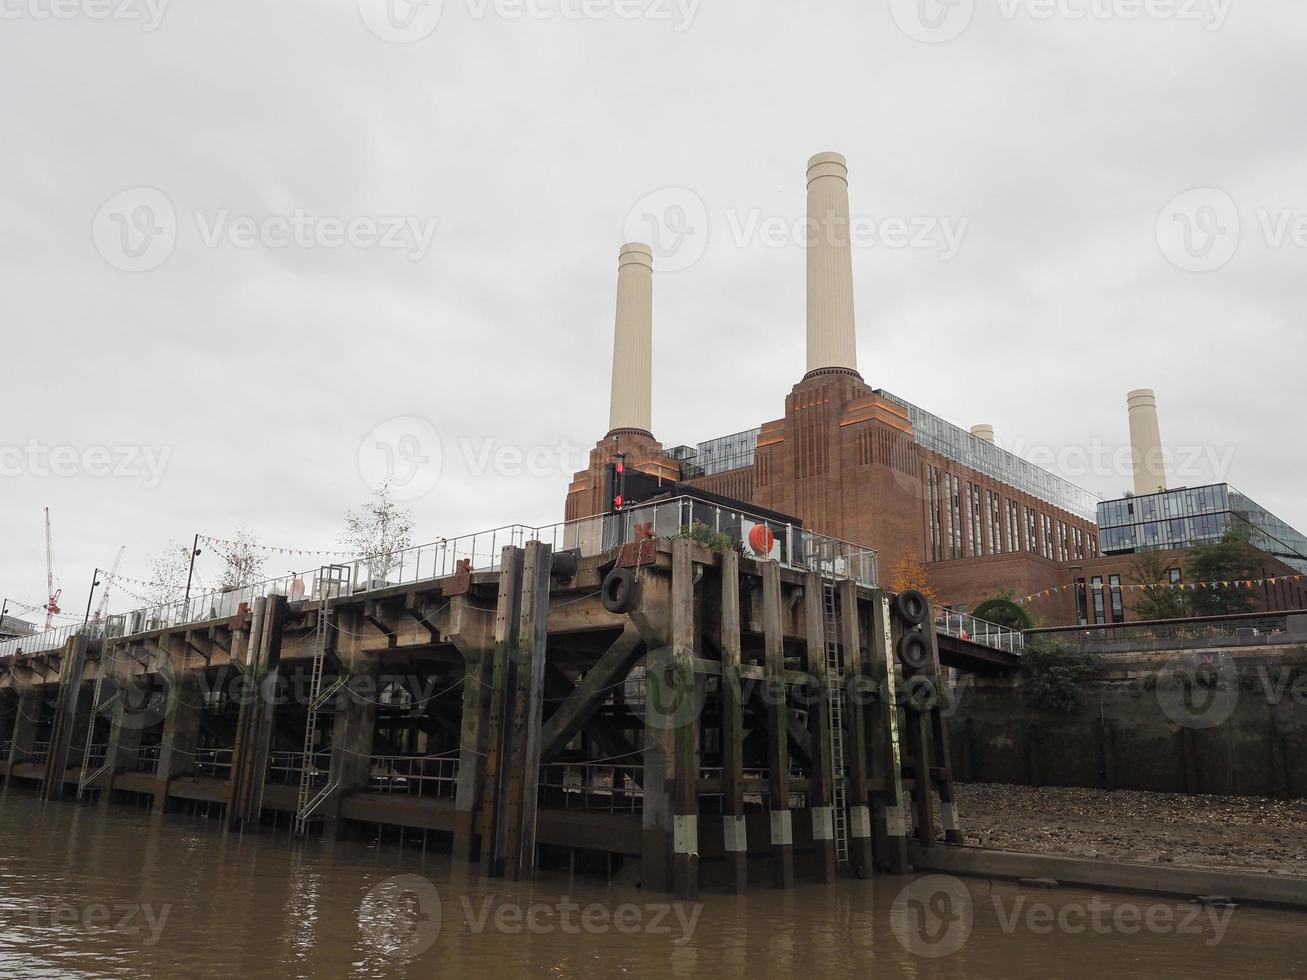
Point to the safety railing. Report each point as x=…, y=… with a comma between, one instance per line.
x=716, y=526
x=979, y=631
x=284, y=768
x=757, y=789
x=1248, y=628
x=424, y=777
x=94, y=757
x=593, y=787
x=40, y=752
x=147, y=758
x=214, y=763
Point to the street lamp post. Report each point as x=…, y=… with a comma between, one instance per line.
x=195, y=553
x=95, y=581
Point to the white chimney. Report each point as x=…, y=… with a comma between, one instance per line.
x=832, y=338
x=632, y=404
x=985, y=432
x=1146, y=442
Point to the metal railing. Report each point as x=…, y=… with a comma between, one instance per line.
x=1252, y=628
x=147, y=758
x=284, y=768
x=40, y=752
x=214, y=763
x=717, y=526
x=94, y=757
x=979, y=631
x=424, y=777
x=596, y=787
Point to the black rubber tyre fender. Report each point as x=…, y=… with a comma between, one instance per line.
x=914, y=651
x=912, y=607
x=618, y=591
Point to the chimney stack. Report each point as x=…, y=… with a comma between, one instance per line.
x=985, y=432
x=632, y=404
x=832, y=339
x=1146, y=442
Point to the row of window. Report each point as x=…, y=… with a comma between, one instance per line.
x=976, y=521
x=1108, y=600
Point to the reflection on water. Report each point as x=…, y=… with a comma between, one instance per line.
x=87, y=891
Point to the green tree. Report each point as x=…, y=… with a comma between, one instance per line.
x=1002, y=611
x=1160, y=600
x=1231, y=559
x=1055, y=677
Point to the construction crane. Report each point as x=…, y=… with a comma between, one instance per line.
x=52, y=605
x=103, y=607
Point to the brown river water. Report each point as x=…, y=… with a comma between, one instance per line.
x=90, y=892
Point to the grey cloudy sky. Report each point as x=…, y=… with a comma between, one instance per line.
x=252, y=357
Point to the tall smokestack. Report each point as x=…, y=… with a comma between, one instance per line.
x=632, y=405
x=1146, y=442
x=832, y=339
x=985, y=432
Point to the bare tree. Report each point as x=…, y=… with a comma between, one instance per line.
x=377, y=531
x=242, y=561
x=168, y=571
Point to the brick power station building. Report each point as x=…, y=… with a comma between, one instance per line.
x=859, y=463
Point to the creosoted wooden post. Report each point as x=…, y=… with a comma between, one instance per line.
x=819, y=727
x=778, y=750
x=890, y=802
x=503, y=672
x=481, y=636
x=859, y=706
x=71, y=713
x=528, y=710
x=736, y=835
x=685, y=722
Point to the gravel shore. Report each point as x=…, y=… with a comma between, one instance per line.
x=1229, y=833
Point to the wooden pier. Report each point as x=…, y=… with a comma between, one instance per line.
x=661, y=712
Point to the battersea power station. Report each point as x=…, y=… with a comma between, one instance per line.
x=855, y=462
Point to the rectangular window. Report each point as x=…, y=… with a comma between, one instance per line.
x=1096, y=588
x=1176, y=575
x=1032, y=538
x=1013, y=526
x=932, y=506
x=1118, y=599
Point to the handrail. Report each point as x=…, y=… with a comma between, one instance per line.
x=794, y=546
x=980, y=631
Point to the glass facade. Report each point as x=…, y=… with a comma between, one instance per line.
x=961, y=446
x=1193, y=516
x=717, y=455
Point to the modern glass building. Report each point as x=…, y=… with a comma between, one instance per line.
x=717, y=455
x=1193, y=516
x=959, y=445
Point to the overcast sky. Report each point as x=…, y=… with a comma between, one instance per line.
x=241, y=236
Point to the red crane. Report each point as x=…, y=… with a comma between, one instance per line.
x=52, y=606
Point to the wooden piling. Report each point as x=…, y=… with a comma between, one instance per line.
x=778, y=750
x=822, y=776
x=733, y=822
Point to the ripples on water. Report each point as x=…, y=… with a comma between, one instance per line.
x=225, y=906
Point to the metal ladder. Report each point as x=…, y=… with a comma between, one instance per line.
x=97, y=708
x=333, y=581
x=835, y=674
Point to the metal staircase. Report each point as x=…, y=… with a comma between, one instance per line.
x=98, y=707
x=333, y=581
x=835, y=674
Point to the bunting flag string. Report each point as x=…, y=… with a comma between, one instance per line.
x=1180, y=586
x=219, y=542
